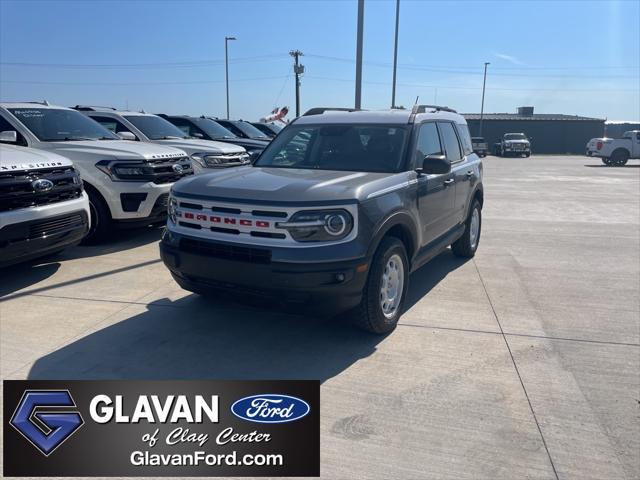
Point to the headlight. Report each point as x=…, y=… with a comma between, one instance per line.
x=319, y=225
x=124, y=171
x=172, y=206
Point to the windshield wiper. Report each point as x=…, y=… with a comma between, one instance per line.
x=69, y=139
x=170, y=137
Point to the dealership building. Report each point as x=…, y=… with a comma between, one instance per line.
x=549, y=132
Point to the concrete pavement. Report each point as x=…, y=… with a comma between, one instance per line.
x=521, y=363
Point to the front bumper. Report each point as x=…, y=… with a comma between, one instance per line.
x=123, y=199
x=201, y=265
x=40, y=236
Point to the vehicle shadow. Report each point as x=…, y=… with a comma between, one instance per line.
x=616, y=167
x=120, y=240
x=23, y=275
x=198, y=338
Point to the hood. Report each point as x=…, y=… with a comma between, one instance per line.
x=247, y=143
x=191, y=146
x=113, y=149
x=14, y=158
x=287, y=185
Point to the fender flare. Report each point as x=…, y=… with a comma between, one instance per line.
x=406, y=223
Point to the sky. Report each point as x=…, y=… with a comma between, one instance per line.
x=571, y=57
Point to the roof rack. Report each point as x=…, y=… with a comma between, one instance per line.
x=435, y=108
x=92, y=108
x=321, y=110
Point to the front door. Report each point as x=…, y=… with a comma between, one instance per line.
x=436, y=193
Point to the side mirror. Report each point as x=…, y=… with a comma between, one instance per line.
x=435, y=164
x=127, y=136
x=10, y=136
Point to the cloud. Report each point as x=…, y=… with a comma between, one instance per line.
x=509, y=58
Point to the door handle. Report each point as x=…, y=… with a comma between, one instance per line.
x=449, y=182
x=469, y=173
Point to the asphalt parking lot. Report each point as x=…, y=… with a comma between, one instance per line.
x=521, y=363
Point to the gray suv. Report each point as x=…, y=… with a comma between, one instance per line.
x=336, y=212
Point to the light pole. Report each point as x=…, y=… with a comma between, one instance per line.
x=359, y=54
x=484, y=84
x=226, y=68
x=395, y=57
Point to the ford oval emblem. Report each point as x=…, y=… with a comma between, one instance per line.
x=42, y=185
x=270, y=408
x=177, y=168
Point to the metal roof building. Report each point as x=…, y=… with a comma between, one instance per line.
x=549, y=132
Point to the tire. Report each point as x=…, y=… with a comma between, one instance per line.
x=606, y=161
x=619, y=158
x=369, y=315
x=467, y=244
x=100, y=220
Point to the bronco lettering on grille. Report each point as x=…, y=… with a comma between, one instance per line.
x=228, y=220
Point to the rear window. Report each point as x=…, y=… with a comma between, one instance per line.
x=465, y=138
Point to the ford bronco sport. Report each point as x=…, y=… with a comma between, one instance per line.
x=336, y=212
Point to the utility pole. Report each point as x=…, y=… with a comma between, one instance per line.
x=298, y=70
x=226, y=68
x=484, y=84
x=359, y=54
x=395, y=56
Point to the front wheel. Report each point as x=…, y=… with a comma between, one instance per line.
x=467, y=244
x=385, y=290
x=100, y=220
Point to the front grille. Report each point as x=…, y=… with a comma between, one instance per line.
x=17, y=191
x=163, y=170
x=46, y=228
x=226, y=252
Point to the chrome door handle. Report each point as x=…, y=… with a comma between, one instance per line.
x=449, y=182
x=469, y=173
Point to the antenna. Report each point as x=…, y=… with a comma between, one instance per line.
x=417, y=98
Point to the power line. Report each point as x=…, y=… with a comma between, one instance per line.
x=473, y=70
x=194, y=63
x=194, y=82
x=454, y=87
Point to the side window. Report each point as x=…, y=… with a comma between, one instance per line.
x=6, y=126
x=465, y=138
x=111, y=124
x=450, y=140
x=428, y=142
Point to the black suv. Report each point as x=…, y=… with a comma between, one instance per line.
x=336, y=212
x=207, y=129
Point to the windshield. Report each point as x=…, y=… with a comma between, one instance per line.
x=515, y=136
x=268, y=128
x=213, y=129
x=155, y=128
x=248, y=129
x=359, y=148
x=58, y=125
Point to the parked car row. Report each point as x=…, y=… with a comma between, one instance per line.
x=75, y=174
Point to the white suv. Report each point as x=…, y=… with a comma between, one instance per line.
x=43, y=207
x=145, y=127
x=127, y=182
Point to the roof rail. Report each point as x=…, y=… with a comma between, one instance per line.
x=321, y=110
x=435, y=108
x=92, y=108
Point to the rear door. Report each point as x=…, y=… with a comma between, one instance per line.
x=436, y=193
x=464, y=172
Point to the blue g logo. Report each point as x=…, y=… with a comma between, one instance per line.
x=40, y=421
